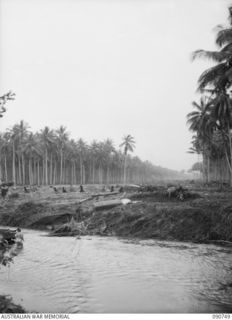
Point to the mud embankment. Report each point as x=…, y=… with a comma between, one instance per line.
x=199, y=222
x=200, y=219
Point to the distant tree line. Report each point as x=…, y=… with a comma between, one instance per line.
x=50, y=157
x=211, y=120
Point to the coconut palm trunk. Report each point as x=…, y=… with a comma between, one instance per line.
x=5, y=165
x=61, y=167
x=23, y=169
x=13, y=163
x=46, y=166
x=124, y=170
x=230, y=151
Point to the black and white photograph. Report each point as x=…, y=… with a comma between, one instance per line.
x=116, y=157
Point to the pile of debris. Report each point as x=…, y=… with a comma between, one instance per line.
x=71, y=228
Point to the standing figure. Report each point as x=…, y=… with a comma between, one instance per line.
x=19, y=238
x=4, y=191
x=26, y=190
x=55, y=190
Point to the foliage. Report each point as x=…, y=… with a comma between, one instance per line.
x=50, y=157
x=3, y=99
x=197, y=166
x=211, y=122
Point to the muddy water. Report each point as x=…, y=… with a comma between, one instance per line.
x=95, y=274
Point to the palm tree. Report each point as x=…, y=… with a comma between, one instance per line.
x=128, y=144
x=201, y=122
x=108, y=150
x=46, y=138
x=221, y=112
x=4, y=153
x=72, y=154
x=12, y=136
x=218, y=77
x=217, y=80
x=82, y=148
x=31, y=149
x=94, y=149
x=22, y=133
x=62, y=139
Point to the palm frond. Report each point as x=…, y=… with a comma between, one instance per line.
x=228, y=74
x=224, y=36
x=217, y=56
x=197, y=106
x=214, y=76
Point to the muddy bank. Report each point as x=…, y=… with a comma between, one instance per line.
x=8, y=306
x=202, y=217
x=199, y=222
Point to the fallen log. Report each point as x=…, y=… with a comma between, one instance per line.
x=104, y=194
x=84, y=200
x=107, y=204
x=131, y=187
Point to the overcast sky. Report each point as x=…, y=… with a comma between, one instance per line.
x=106, y=68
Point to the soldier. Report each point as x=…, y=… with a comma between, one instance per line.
x=19, y=238
x=4, y=191
x=26, y=190
x=79, y=213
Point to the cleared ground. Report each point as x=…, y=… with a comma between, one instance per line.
x=204, y=215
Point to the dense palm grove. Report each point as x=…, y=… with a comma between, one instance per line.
x=52, y=157
x=211, y=121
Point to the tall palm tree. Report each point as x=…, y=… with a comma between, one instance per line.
x=82, y=149
x=108, y=149
x=62, y=139
x=22, y=132
x=31, y=149
x=128, y=144
x=94, y=149
x=46, y=138
x=217, y=80
x=221, y=112
x=201, y=122
x=72, y=154
x=12, y=134
x=218, y=77
x=4, y=154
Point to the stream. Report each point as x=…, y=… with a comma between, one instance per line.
x=112, y=275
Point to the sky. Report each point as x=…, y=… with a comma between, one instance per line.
x=108, y=68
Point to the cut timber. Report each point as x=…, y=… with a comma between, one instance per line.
x=107, y=204
x=131, y=187
x=84, y=200
x=104, y=194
